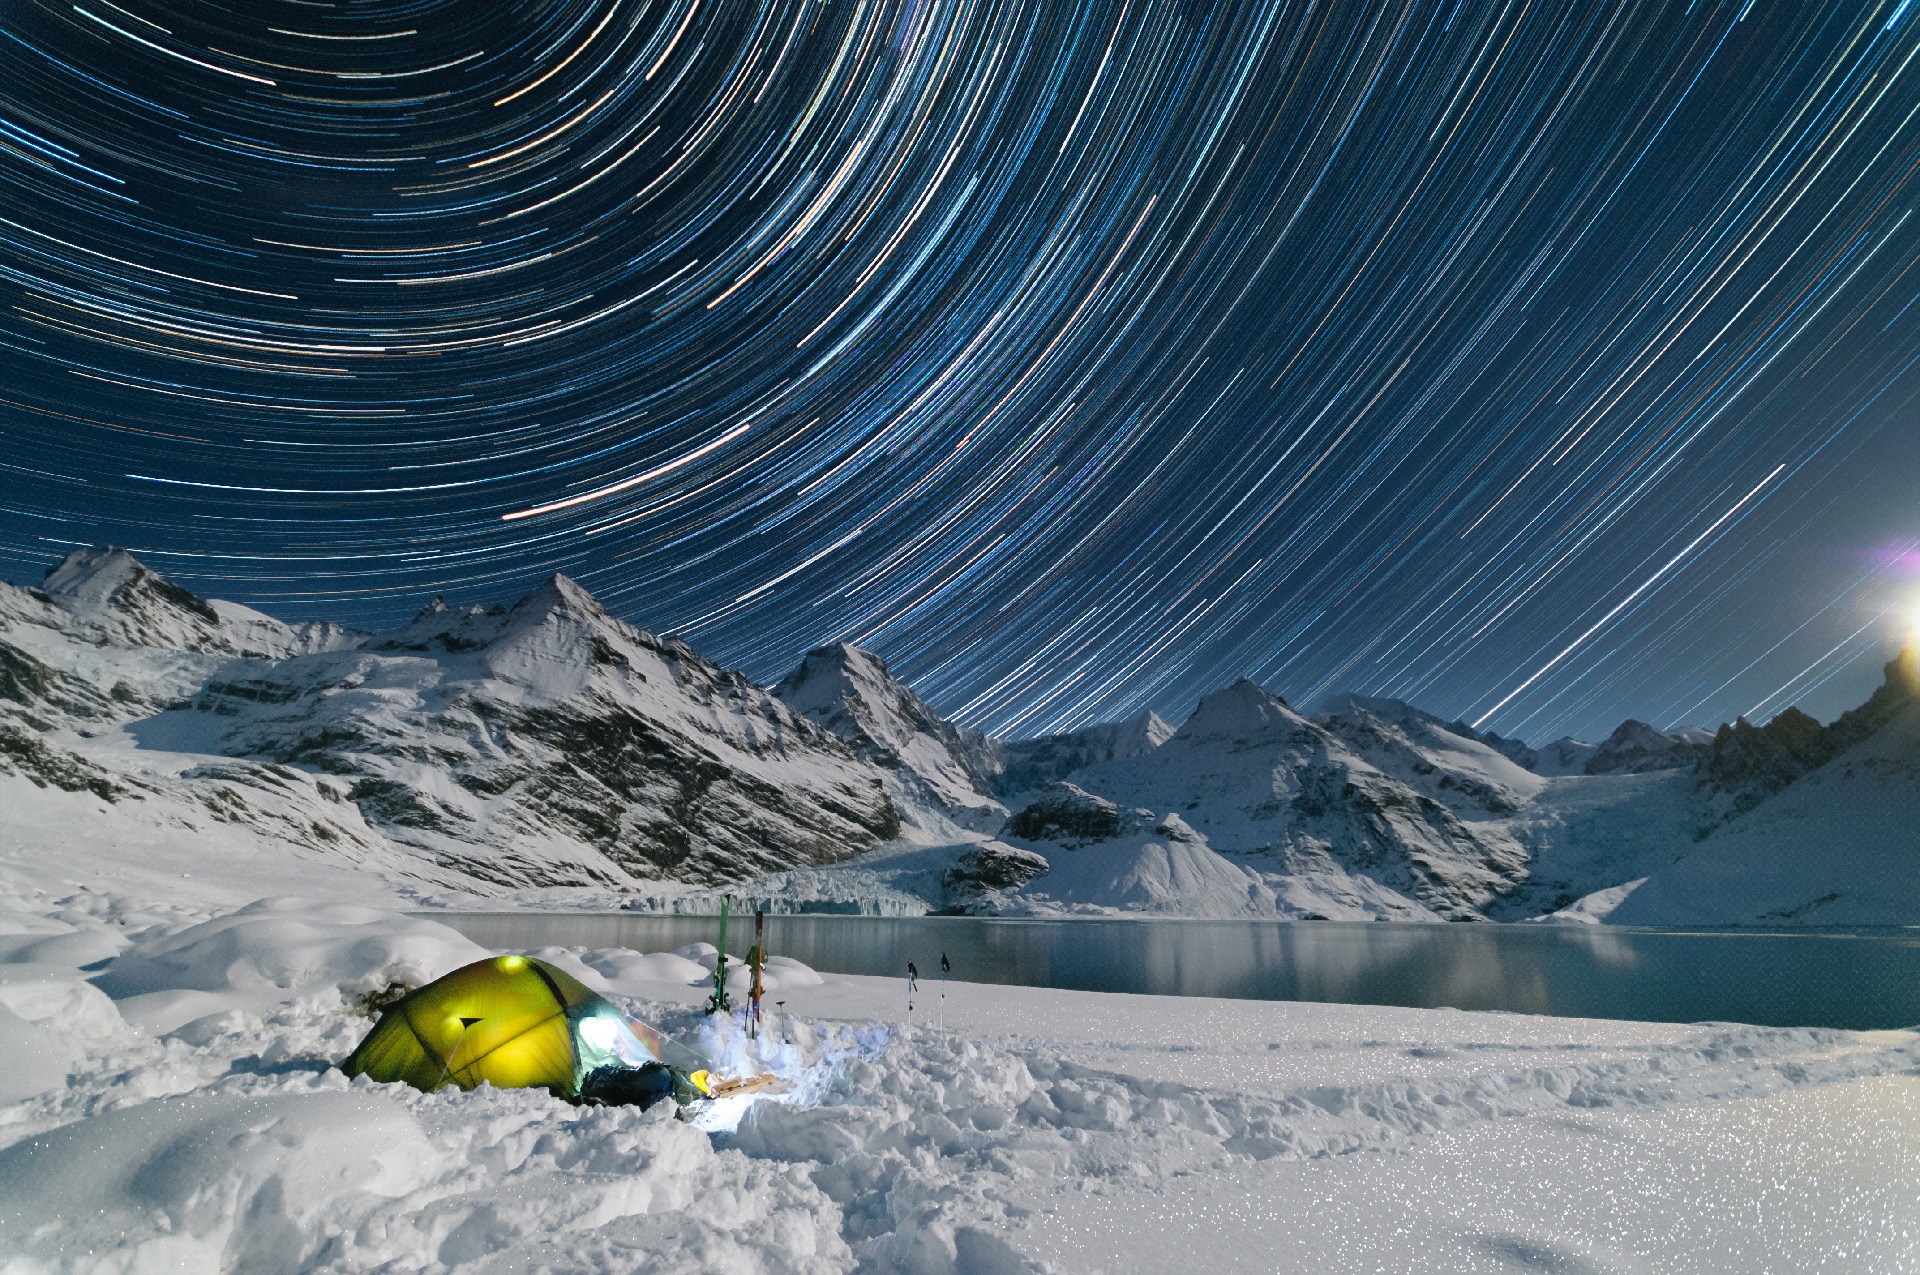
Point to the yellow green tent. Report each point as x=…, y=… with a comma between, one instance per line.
x=517, y=1022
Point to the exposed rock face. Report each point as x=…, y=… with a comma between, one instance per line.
x=40, y=695
x=1837, y=843
x=1070, y=816
x=849, y=691
x=1347, y=817
x=972, y=882
x=547, y=744
x=1461, y=771
x=1747, y=764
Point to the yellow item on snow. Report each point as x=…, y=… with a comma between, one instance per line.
x=515, y=1022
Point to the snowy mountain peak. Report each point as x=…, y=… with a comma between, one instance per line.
x=829, y=672
x=850, y=691
x=1635, y=748
x=439, y=627
x=107, y=596
x=1154, y=730
x=1032, y=764
x=442, y=628
x=1447, y=761
x=559, y=595
x=1245, y=711
x=104, y=581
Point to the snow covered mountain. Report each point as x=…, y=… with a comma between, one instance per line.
x=547, y=746
x=1280, y=815
x=849, y=691
x=108, y=596
x=1819, y=825
x=1034, y=763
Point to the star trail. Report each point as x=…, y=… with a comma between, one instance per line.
x=1540, y=363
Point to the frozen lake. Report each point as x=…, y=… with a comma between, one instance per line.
x=1860, y=979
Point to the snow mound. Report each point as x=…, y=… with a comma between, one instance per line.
x=1591, y=909
x=1167, y=869
x=274, y=948
x=320, y=1174
x=209, y=1182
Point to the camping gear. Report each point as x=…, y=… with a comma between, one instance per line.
x=517, y=1022
x=756, y=960
x=719, y=1002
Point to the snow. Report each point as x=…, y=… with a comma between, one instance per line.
x=253, y=958
x=1759, y=869
x=167, y=1103
x=850, y=692
x=196, y=906
x=547, y=754
x=1165, y=868
x=1591, y=909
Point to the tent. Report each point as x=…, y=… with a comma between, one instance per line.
x=517, y=1022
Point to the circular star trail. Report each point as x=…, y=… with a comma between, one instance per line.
x=1540, y=363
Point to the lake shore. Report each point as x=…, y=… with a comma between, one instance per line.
x=1006, y=1129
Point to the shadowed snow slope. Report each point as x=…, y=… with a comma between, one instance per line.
x=1035, y=763
x=1781, y=862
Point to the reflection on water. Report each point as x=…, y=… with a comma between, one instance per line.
x=1857, y=979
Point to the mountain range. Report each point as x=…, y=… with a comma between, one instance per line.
x=547, y=751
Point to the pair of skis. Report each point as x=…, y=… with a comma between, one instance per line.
x=720, y=1002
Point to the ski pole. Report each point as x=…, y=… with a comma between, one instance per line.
x=913, y=985
x=944, y=968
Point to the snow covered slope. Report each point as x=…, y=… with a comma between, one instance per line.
x=109, y=596
x=1823, y=829
x=850, y=692
x=170, y=1100
x=549, y=747
x=1034, y=763
x=1321, y=824
x=545, y=744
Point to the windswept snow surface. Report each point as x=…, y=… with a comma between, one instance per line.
x=170, y=1103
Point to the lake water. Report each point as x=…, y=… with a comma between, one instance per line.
x=1857, y=979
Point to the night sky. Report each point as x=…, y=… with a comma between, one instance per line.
x=1542, y=363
